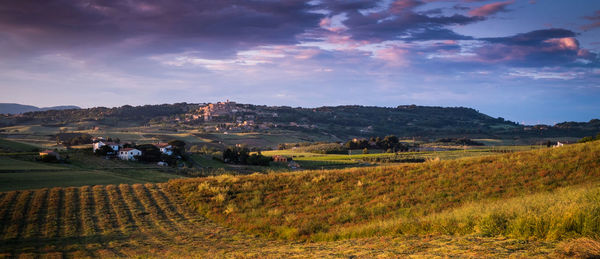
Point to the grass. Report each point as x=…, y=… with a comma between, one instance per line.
x=48, y=179
x=565, y=213
x=337, y=204
x=149, y=221
x=10, y=165
x=316, y=161
x=83, y=169
x=206, y=161
x=14, y=146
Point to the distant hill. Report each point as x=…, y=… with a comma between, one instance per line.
x=334, y=122
x=15, y=108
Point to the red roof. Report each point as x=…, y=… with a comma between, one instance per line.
x=127, y=149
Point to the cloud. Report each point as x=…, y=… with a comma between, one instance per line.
x=532, y=38
x=337, y=7
x=489, y=9
x=393, y=56
x=549, y=47
x=216, y=27
x=401, y=21
x=546, y=73
x=595, y=18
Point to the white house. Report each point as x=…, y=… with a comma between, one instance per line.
x=559, y=144
x=129, y=153
x=165, y=148
x=112, y=145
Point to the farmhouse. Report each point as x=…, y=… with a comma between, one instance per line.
x=99, y=144
x=129, y=153
x=280, y=159
x=165, y=148
x=50, y=153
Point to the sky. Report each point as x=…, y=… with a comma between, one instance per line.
x=529, y=61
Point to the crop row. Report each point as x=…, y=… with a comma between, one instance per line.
x=105, y=221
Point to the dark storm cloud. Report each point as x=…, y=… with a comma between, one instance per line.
x=336, y=7
x=537, y=48
x=160, y=25
x=213, y=29
x=533, y=38
x=401, y=20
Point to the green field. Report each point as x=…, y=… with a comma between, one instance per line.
x=9, y=164
x=14, y=146
x=20, y=171
x=315, y=161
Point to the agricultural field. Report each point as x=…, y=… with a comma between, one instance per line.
x=39, y=136
x=540, y=203
x=149, y=220
x=315, y=161
x=20, y=170
x=546, y=195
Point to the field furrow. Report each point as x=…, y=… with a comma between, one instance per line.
x=104, y=214
x=87, y=205
x=123, y=214
x=167, y=206
x=51, y=226
x=181, y=209
x=35, y=216
x=157, y=215
x=71, y=224
x=142, y=218
x=6, y=206
x=17, y=222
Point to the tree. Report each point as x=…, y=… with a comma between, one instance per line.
x=229, y=156
x=150, y=153
x=178, y=146
x=105, y=151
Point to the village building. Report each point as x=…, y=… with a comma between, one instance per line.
x=129, y=153
x=50, y=153
x=280, y=159
x=99, y=144
x=218, y=109
x=165, y=148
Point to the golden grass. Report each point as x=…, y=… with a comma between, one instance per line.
x=338, y=204
x=580, y=248
x=147, y=221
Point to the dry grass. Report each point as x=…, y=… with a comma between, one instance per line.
x=147, y=221
x=580, y=248
x=328, y=205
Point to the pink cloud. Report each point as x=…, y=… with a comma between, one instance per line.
x=595, y=19
x=325, y=22
x=307, y=53
x=490, y=9
x=393, y=56
x=399, y=6
x=563, y=44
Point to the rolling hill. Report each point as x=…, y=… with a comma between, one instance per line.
x=527, y=204
x=14, y=108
